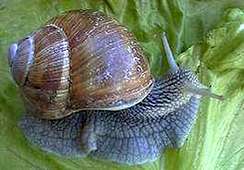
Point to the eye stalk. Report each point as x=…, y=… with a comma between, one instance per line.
x=170, y=57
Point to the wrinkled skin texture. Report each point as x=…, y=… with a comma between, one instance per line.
x=131, y=136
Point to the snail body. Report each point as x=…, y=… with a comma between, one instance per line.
x=132, y=136
x=120, y=112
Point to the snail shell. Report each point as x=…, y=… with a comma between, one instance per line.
x=80, y=60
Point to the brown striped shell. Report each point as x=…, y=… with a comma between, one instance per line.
x=80, y=60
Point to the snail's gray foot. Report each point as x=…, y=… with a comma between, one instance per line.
x=127, y=139
x=131, y=151
x=62, y=137
x=116, y=136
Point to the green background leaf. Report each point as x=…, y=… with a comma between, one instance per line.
x=206, y=36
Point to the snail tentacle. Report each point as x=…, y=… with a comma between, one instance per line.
x=170, y=57
x=203, y=91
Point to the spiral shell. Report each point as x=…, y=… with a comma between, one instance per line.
x=80, y=60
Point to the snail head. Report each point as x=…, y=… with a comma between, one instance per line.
x=186, y=79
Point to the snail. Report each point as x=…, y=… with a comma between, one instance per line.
x=88, y=90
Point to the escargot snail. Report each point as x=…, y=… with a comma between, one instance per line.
x=88, y=90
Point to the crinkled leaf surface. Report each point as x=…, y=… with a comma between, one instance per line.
x=207, y=36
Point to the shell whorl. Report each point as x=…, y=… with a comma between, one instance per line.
x=20, y=58
x=46, y=89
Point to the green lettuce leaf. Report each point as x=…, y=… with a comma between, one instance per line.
x=206, y=36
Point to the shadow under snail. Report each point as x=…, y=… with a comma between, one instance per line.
x=88, y=90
